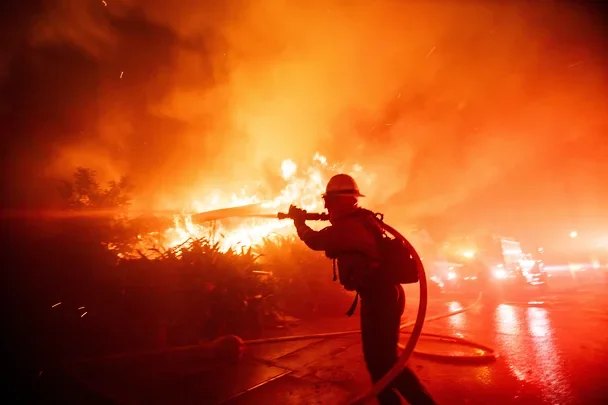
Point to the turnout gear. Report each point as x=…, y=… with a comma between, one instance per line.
x=342, y=185
x=397, y=264
x=366, y=260
x=381, y=311
x=350, y=244
x=360, y=248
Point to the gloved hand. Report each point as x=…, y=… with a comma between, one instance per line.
x=297, y=214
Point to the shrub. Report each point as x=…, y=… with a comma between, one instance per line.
x=304, y=279
x=191, y=292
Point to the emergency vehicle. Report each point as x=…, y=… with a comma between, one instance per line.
x=489, y=258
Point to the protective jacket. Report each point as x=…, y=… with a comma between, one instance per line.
x=352, y=241
x=347, y=233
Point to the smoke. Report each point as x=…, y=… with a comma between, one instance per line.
x=439, y=100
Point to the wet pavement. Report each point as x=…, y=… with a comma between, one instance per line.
x=552, y=350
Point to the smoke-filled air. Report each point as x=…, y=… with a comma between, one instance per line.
x=436, y=102
x=177, y=230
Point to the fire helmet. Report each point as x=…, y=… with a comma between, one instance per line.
x=342, y=185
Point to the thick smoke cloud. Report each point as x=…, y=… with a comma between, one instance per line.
x=440, y=100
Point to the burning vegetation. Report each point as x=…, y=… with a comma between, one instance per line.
x=301, y=186
x=185, y=279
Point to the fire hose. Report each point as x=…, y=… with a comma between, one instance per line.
x=401, y=363
x=488, y=355
x=409, y=347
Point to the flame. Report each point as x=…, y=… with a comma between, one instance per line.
x=303, y=187
x=288, y=169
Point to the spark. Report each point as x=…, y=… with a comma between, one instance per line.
x=80, y=307
x=121, y=73
x=104, y=3
x=580, y=62
x=56, y=305
x=83, y=314
x=430, y=52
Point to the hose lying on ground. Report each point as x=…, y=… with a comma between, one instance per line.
x=487, y=356
x=293, y=338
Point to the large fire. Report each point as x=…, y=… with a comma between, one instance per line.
x=303, y=187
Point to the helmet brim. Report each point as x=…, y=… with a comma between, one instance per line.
x=342, y=194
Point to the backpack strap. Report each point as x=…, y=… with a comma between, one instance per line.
x=378, y=233
x=335, y=269
x=353, y=306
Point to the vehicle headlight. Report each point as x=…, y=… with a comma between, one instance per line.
x=437, y=280
x=469, y=254
x=500, y=273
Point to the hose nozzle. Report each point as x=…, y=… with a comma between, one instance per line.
x=310, y=216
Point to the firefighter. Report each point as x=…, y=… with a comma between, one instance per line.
x=349, y=240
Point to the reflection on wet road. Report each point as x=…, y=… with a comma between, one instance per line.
x=511, y=341
x=549, y=372
x=456, y=321
x=549, y=353
x=525, y=339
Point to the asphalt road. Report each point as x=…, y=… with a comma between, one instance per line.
x=552, y=351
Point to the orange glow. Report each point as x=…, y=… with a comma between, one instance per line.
x=466, y=115
x=303, y=187
x=500, y=273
